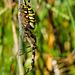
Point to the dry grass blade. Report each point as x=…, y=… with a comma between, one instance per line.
x=3, y=10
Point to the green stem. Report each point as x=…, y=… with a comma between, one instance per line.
x=56, y=11
x=71, y=16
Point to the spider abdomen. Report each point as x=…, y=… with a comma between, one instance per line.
x=27, y=16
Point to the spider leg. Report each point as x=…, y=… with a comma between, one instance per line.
x=25, y=52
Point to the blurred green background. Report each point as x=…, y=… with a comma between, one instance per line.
x=55, y=33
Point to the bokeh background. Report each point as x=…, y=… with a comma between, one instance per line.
x=55, y=33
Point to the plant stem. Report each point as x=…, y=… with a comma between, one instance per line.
x=20, y=45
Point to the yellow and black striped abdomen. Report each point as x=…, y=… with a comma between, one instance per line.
x=27, y=16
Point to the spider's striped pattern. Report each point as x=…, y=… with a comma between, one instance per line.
x=27, y=16
x=28, y=21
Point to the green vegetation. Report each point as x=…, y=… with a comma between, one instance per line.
x=55, y=32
